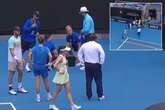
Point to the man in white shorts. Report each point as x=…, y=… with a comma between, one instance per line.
x=15, y=61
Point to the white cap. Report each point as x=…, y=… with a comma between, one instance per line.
x=66, y=49
x=83, y=9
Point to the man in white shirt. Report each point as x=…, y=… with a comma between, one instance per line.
x=15, y=61
x=92, y=55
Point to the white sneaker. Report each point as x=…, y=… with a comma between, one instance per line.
x=101, y=98
x=75, y=107
x=53, y=107
x=27, y=68
x=82, y=68
x=22, y=90
x=78, y=64
x=12, y=92
x=38, y=99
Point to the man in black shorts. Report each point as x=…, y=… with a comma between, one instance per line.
x=30, y=32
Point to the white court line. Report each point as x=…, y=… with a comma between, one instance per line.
x=122, y=44
x=8, y=103
x=152, y=43
x=143, y=45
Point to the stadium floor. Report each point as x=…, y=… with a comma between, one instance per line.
x=132, y=81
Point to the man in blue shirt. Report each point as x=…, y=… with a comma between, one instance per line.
x=51, y=46
x=88, y=23
x=39, y=55
x=30, y=32
x=74, y=40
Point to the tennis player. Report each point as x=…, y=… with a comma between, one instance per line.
x=15, y=61
x=39, y=56
x=62, y=79
x=30, y=32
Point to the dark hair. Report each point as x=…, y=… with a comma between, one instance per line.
x=47, y=36
x=60, y=48
x=41, y=39
x=16, y=28
x=93, y=37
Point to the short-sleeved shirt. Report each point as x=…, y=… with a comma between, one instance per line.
x=14, y=43
x=74, y=39
x=50, y=45
x=40, y=56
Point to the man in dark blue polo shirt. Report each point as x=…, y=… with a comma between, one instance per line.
x=74, y=40
x=30, y=32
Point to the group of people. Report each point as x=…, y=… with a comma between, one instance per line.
x=43, y=55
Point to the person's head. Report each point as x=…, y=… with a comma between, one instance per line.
x=48, y=37
x=83, y=11
x=69, y=29
x=63, y=50
x=93, y=37
x=41, y=39
x=16, y=30
x=36, y=15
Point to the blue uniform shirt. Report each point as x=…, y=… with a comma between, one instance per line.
x=40, y=55
x=50, y=45
x=88, y=25
x=29, y=32
x=74, y=39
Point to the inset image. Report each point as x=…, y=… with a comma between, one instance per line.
x=135, y=26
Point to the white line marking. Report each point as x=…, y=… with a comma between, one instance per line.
x=122, y=43
x=8, y=103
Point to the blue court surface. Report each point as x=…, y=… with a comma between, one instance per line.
x=150, y=39
x=132, y=81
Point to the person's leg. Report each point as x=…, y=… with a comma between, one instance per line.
x=98, y=79
x=68, y=93
x=37, y=85
x=55, y=94
x=20, y=78
x=47, y=87
x=52, y=105
x=29, y=46
x=69, y=97
x=11, y=72
x=89, y=78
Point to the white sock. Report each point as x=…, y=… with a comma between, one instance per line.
x=27, y=64
x=19, y=84
x=49, y=94
x=10, y=85
x=38, y=95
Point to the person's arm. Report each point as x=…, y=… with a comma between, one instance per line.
x=101, y=54
x=81, y=55
x=11, y=49
x=86, y=26
x=27, y=26
x=57, y=64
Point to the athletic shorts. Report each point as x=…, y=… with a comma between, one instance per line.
x=27, y=45
x=40, y=71
x=12, y=66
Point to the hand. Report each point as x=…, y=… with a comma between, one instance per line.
x=61, y=71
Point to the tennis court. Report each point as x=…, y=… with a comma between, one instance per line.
x=132, y=81
x=150, y=39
